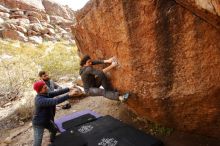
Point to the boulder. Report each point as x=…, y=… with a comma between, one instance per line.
x=32, y=33
x=66, y=36
x=36, y=27
x=14, y=35
x=13, y=16
x=58, y=36
x=21, y=29
x=1, y=21
x=45, y=24
x=10, y=26
x=51, y=31
x=48, y=37
x=12, y=21
x=38, y=15
x=36, y=39
x=33, y=19
x=169, y=59
x=45, y=30
x=18, y=21
x=58, y=28
x=56, y=19
x=4, y=15
x=17, y=12
x=53, y=8
x=24, y=4
x=4, y=9
x=24, y=22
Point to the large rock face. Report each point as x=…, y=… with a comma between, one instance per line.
x=169, y=59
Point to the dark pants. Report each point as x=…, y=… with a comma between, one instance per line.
x=108, y=90
x=39, y=131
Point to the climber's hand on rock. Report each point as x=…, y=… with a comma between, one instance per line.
x=114, y=64
x=110, y=60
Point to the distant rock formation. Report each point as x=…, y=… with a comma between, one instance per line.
x=35, y=20
x=169, y=58
x=53, y=8
x=23, y=4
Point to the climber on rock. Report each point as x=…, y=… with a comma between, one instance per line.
x=93, y=78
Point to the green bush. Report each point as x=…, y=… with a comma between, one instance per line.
x=156, y=129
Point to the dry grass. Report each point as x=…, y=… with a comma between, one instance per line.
x=26, y=109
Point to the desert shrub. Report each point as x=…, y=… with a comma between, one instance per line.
x=20, y=63
x=156, y=129
x=25, y=109
x=61, y=60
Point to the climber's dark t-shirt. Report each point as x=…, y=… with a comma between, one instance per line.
x=89, y=74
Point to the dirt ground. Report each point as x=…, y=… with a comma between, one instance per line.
x=23, y=135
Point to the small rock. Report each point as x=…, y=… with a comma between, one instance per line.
x=21, y=29
x=36, y=39
x=13, y=34
x=32, y=33
x=21, y=123
x=4, y=9
x=33, y=19
x=65, y=79
x=16, y=118
x=7, y=104
x=4, y=15
x=8, y=140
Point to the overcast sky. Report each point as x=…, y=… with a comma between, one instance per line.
x=74, y=4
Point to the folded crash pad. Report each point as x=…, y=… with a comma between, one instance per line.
x=59, y=122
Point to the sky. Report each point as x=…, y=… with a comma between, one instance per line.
x=74, y=4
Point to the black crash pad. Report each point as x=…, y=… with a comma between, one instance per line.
x=78, y=121
x=108, y=131
x=69, y=138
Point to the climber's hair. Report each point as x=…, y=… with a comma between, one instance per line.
x=41, y=73
x=84, y=60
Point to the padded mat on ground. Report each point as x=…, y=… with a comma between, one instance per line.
x=68, y=138
x=74, y=115
x=107, y=131
x=78, y=121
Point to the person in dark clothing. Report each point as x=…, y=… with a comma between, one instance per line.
x=43, y=117
x=49, y=82
x=93, y=78
x=51, y=85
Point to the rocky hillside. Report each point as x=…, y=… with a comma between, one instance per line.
x=35, y=20
x=169, y=56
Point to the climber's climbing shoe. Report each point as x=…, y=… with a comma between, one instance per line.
x=124, y=97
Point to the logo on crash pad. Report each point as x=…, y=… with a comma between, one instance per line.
x=85, y=129
x=108, y=142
